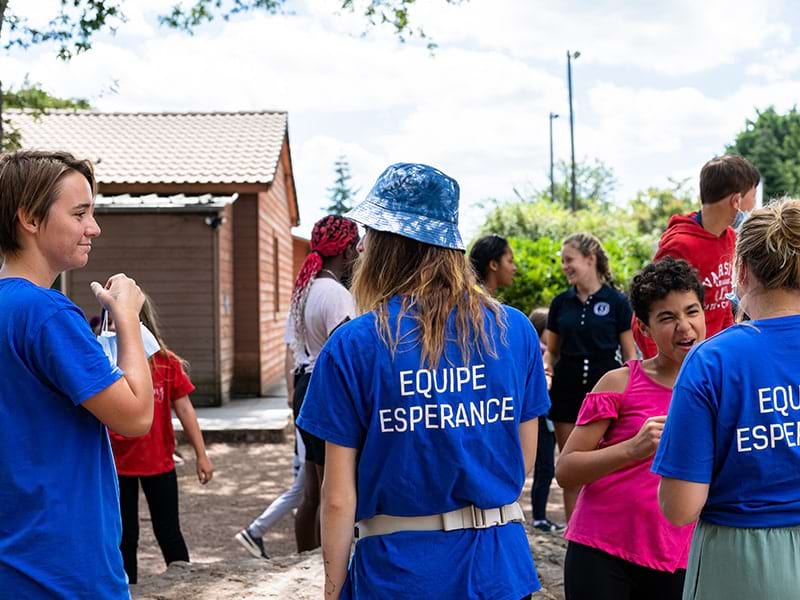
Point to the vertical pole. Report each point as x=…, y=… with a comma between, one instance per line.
x=574, y=204
x=552, y=180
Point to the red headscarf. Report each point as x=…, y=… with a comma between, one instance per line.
x=330, y=237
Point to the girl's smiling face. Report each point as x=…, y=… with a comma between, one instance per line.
x=576, y=266
x=64, y=237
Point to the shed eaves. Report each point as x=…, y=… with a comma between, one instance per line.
x=163, y=148
x=154, y=203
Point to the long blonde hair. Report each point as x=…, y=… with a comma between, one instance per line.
x=432, y=281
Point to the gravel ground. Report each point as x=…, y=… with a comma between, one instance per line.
x=247, y=478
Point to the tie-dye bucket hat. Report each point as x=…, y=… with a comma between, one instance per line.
x=415, y=201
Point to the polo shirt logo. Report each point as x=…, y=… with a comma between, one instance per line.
x=601, y=309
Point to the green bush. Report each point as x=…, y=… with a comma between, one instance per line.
x=535, y=231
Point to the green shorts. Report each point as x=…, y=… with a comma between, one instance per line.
x=729, y=563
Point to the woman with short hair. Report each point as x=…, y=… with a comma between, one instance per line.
x=59, y=507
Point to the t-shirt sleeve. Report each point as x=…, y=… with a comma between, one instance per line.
x=180, y=384
x=68, y=356
x=623, y=313
x=552, y=314
x=686, y=450
x=598, y=406
x=288, y=334
x=330, y=408
x=340, y=308
x=536, y=401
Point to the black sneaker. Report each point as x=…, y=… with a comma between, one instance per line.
x=253, y=545
x=548, y=526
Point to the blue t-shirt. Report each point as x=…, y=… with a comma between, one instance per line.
x=734, y=423
x=430, y=442
x=60, y=527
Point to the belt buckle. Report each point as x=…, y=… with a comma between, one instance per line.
x=478, y=517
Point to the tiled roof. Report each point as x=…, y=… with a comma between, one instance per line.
x=155, y=203
x=163, y=148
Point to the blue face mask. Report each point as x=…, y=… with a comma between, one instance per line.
x=736, y=303
x=108, y=340
x=741, y=217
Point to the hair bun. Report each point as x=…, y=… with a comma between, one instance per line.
x=782, y=236
x=769, y=244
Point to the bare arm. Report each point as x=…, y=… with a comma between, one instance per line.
x=628, y=345
x=337, y=514
x=553, y=354
x=126, y=406
x=582, y=462
x=188, y=418
x=681, y=501
x=529, y=436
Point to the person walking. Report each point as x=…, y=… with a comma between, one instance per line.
x=251, y=537
x=729, y=451
x=320, y=303
x=620, y=545
x=59, y=508
x=148, y=460
x=428, y=404
x=587, y=326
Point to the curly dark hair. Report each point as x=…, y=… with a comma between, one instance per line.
x=658, y=279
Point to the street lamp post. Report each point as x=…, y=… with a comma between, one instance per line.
x=552, y=181
x=570, y=56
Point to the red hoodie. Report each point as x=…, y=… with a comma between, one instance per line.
x=712, y=256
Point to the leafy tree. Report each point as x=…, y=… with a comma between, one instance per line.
x=652, y=209
x=772, y=143
x=535, y=230
x=341, y=193
x=76, y=23
x=33, y=97
x=595, y=183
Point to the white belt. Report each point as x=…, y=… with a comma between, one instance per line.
x=469, y=517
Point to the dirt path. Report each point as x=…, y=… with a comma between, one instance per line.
x=247, y=478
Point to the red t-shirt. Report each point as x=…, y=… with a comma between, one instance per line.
x=151, y=454
x=712, y=256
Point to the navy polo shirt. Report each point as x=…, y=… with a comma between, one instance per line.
x=592, y=327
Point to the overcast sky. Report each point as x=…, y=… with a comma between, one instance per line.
x=659, y=87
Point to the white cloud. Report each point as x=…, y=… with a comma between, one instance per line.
x=477, y=108
x=674, y=38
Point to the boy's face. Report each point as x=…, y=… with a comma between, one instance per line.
x=64, y=238
x=676, y=323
